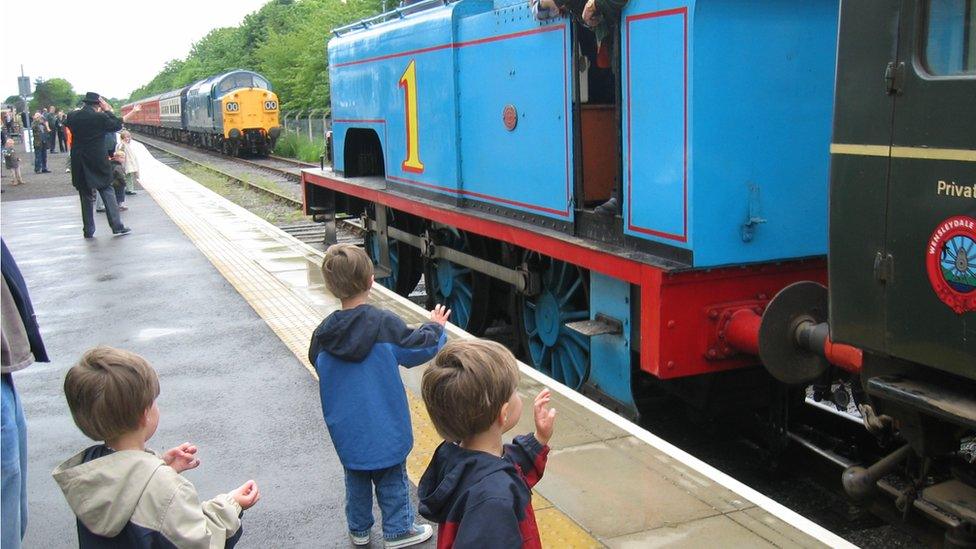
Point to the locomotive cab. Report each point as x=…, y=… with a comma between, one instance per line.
x=902, y=263
x=233, y=112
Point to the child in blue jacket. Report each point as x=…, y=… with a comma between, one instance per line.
x=357, y=352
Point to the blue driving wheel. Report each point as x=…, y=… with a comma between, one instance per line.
x=405, y=260
x=554, y=349
x=462, y=290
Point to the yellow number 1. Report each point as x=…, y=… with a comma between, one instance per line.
x=409, y=84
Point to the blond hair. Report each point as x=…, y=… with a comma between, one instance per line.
x=347, y=270
x=466, y=386
x=109, y=391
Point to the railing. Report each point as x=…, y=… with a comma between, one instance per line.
x=396, y=13
x=312, y=124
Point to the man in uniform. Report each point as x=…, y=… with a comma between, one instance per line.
x=91, y=170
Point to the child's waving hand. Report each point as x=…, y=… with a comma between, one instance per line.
x=545, y=417
x=440, y=314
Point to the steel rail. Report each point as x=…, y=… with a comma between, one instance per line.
x=253, y=163
x=298, y=163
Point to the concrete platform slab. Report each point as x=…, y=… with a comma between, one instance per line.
x=228, y=382
x=717, y=531
x=588, y=479
x=772, y=529
x=608, y=481
x=698, y=485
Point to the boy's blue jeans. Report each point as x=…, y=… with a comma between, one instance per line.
x=13, y=452
x=40, y=158
x=392, y=493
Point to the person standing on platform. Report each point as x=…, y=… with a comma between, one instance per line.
x=41, y=135
x=91, y=170
x=62, y=136
x=131, y=162
x=357, y=352
x=478, y=489
x=118, y=179
x=52, y=125
x=122, y=493
x=67, y=138
x=8, y=120
x=12, y=161
x=111, y=141
x=20, y=346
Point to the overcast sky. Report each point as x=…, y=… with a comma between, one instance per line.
x=107, y=46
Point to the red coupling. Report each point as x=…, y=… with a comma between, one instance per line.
x=843, y=356
x=742, y=331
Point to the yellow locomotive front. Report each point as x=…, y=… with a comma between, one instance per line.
x=250, y=120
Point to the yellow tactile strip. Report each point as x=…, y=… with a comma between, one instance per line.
x=216, y=226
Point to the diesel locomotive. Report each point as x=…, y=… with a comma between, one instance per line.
x=672, y=218
x=234, y=112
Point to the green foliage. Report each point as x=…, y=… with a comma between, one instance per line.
x=300, y=147
x=284, y=40
x=215, y=53
x=57, y=92
x=15, y=102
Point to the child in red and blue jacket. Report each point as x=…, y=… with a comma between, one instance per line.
x=476, y=488
x=357, y=352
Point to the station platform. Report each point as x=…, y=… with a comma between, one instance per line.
x=230, y=339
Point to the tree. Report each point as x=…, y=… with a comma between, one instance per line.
x=15, y=101
x=295, y=62
x=284, y=41
x=56, y=91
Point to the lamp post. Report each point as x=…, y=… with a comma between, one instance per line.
x=23, y=87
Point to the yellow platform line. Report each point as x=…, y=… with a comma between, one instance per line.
x=186, y=203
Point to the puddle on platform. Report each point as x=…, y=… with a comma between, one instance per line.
x=289, y=263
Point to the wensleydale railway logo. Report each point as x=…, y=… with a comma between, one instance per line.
x=951, y=263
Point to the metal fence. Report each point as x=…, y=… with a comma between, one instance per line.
x=312, y=124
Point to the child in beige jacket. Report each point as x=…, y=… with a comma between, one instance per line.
x=122, y=493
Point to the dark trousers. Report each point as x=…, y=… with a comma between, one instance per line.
x=88, y=209
x=53, y=145
x=62, y=141
x=40, y=158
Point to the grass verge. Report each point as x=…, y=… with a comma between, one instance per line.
x=300, y=147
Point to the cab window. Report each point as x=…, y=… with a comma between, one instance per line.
x=950, y=37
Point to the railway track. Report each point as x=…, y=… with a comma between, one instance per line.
x=283, y=169
x=194, y=157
